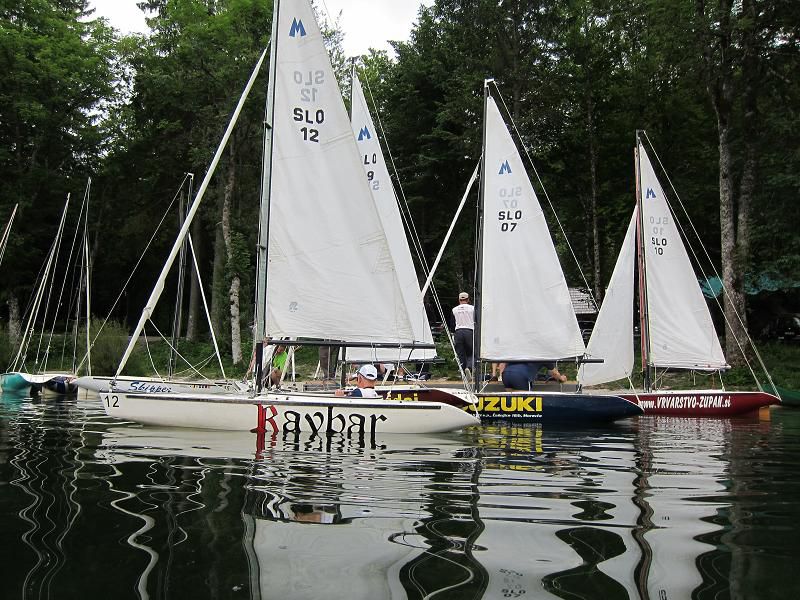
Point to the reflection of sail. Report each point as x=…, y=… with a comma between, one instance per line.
x=654, y=509
x=679, y=494
x=320, y=516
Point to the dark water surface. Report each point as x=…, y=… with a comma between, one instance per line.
x=658, y=508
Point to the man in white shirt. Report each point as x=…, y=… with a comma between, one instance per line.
x=464, y=315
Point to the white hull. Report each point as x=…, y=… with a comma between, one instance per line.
x=286, y=413
x=153, y=385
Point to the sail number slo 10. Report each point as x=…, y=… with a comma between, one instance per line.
x=510, y=216
x=656, y=240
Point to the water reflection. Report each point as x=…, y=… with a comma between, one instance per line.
x=660, y=508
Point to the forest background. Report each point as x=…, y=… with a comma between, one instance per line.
x=715, y=83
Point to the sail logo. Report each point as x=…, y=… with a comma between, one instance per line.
x=297, y=27
x=650, y=194
x=505, y=168
x=364, y=134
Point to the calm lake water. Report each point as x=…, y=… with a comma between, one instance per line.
x=654, y=508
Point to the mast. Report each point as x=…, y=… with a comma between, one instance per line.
x=476, y=344
x=260, y=332
x=178, y=314
x=644, y=329
x=159, y=286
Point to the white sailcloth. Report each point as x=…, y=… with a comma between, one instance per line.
x=330, y=274
x=526, y=311
x=612, y=336
x=385, y=199
x=682, y=334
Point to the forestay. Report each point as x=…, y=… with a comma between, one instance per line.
x=385, y=200
x=681, y=331
x=330, y=273
x=612, y=336
x=526, y=311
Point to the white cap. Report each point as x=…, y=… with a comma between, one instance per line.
x=368, y=372
x=463, y=296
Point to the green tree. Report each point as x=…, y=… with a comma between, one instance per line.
x=57, y=71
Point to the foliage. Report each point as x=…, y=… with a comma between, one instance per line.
x=137, y=112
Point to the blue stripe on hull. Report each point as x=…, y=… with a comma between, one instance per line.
x=529, y=407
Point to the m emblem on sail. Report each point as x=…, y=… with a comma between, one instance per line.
x=364, y=134
x=505, y=168
x=297, y=27
x=650, y=194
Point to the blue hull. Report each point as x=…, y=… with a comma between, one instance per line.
x=62, y=385
x=554, y=407
x=14, y=383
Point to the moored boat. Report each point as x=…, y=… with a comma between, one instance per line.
x=524, y=311
x=675, y=321
x=287, y=412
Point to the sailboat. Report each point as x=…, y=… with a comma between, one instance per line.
x=675, y=323
x=324, y=252
x=524, y=311
x=18, y=380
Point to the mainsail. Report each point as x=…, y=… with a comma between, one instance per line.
x=612, y=336
x=330, y=273
x=526, y=310
x=681, y=331
x=385, y=199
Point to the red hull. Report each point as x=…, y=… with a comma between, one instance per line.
x=707, y=403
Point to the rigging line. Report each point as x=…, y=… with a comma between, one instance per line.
x=177, y=353
x=205, y=305
x=50, y=284
x=74, y=296
x=28, y=334
x=547, y=196
x=716, y=273
x=135, y=267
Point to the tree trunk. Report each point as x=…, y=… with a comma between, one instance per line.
x=734, y=303
x=194, y=285
x=233, y=291
x=14, y=325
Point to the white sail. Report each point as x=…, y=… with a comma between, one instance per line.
x=385, y=199
x=612, y=336
x=526, y=311
x=330, y=273
x=681, y=331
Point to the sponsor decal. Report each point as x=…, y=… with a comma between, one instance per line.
x=297, y=28
x=149, y=387
x=329, y=421
x=510, y=404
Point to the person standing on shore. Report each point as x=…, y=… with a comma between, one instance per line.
x=464, y=316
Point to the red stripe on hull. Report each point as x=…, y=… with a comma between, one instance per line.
x=701, y=404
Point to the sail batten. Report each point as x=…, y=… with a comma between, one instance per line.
x=330, y=271
x=526, y=309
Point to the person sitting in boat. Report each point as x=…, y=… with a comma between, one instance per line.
x=522, y=375
x=278, y=364
x=365, y=380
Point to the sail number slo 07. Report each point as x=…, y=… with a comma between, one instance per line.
x=510, y=217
